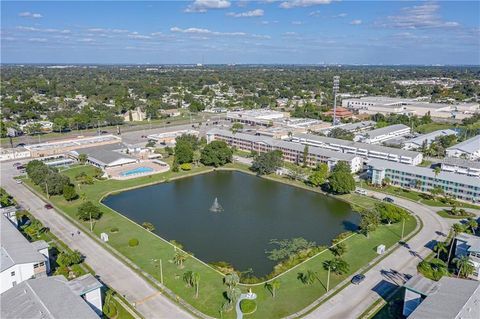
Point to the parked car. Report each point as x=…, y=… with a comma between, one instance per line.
x=20, y=167
x=16, y=164
x=357, y=279
x=19, y=181
x=361, y=191
x=48, y=206
x=388, y=200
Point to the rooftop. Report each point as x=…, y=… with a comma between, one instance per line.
x=425, y=171
x=44, y=298
x=80, y=142
x=105, y=154
x=421, y=285
x=429, y=137
x=386, y=130
x=452, y=298
x=356, y=126
x=16, y=249
x=472, y=241
x=461, y=162
x=358, y=145
x=469, y=146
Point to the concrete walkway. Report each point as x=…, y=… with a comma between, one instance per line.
x=249, y=296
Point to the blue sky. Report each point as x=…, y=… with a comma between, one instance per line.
x=222, y=31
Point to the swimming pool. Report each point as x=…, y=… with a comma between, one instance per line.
x=138, y=170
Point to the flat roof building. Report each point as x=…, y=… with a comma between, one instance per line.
x=424, y=179
x=426, y=139
x=469, y=149
x=106, y=156
x=53, y=297
x=292, y=152
x=169, y=137
x=263, y=117
x=460, y=166
x=364, y=150
x=447, y=298
x=383, y=134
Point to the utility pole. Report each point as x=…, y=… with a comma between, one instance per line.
x=91, y=225
x=336, y=86
x=46, y=187
x=160, y=268
x=403, y=226
x=328, y=279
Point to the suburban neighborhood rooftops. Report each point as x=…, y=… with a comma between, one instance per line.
x=424, y=171
x=472, y=241
x=44, y=298
x=385, y=130
x=453, y=298
x=421, y=285
x=15, y=249
x=460, y=162
x=469, y=146
x=357, y=145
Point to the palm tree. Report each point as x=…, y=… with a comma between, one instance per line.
x=307, y=277
x=456, y=229
x=272, y=286
x=473, y=224
x=440, y=247
x=187, y=277
x=82, y=158
x=464, y=265
x=231, y=279
x=179, y=258
x=328, y=265
x=196, y=282
x=437, y=171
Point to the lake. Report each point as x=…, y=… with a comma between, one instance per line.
x=255, y=210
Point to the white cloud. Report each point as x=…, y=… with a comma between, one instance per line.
x=356, y=22
x=247, y=14
x=303, y=3
x=297, y=22
x=37, y=40
x=315, y=13
x=340, y=15
x=419, y=17
x=32, y=29
x=206, y=32
x=269, y=22
x=28, y=14
x=290, y=33
x=86, y=40
x=205, y=5
x=137, y=36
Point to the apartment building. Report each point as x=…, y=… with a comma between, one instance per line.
x=366, y=151
x=20, y=259
x=460, y=166
x=292, y=152
x=426, y=139
x=469, y=245
x=469, y=149
x=424, y=179
x=383, y=134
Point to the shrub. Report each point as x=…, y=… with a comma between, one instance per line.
x=88, y=209
x=148, y=226
x=186, y=166
x=133, y=242
x=114, y=230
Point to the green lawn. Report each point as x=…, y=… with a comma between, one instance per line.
x=416, y=196
x=291, y=297
x=434, y=126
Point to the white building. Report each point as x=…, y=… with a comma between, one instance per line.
x=106, y=156
x=261, y=117
x=367, y=151
x=134, y=115
x=469, y=245
x=426, y=139
x=447, y=298
x=53, y=297
x=169, y=137
x=389, y=105
x=383, y=134
x=469, y=149
x=20, y=259
x=461, y=166
x=292, y=152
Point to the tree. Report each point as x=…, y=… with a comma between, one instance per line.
x=437, y=170
x=69, y=192
x=369, y=222
x=456, y=229
x=82, y=158
x=305, y=156
x=341, y=134
x=236, y=127
x=69, y=258
x=196, y=282
x=390, y=213
x=472, y=224
x=341, y=181
x=319, y=175
x=337, y=266
x=272, y=286
x=464, y=266
x=231, y=279
x=386, y=181
x=217, y=153
x=439, y=248
x=183, y=153
x=338, y=249
x=267, y=163
x=179, y=258
x=148, y=226
x=55, y=183
x=233, y=294
x=88, y=210
x=308, y=277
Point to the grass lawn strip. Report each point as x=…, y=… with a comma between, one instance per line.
x=292, y=297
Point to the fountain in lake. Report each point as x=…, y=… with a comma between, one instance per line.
x=216, y=207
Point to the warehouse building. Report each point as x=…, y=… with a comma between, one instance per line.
x=367, y=151
x=292, y=152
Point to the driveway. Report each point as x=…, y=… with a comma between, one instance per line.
x=392, y=271
x=148, y=300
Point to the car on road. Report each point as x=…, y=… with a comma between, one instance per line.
x=16, y=164
x=360, y=191
x=357, y=279
x=20, y=167
x=48, y=206
x=388, y=200
x=19, y=181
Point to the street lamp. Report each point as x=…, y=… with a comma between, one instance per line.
x=336, y=86
x=160, y=268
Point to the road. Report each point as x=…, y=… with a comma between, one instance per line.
x=149, y=301
x=392, y=271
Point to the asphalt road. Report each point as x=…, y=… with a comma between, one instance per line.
x=392, y=271
x=149, y=301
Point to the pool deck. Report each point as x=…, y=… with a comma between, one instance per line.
x=155, y=165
